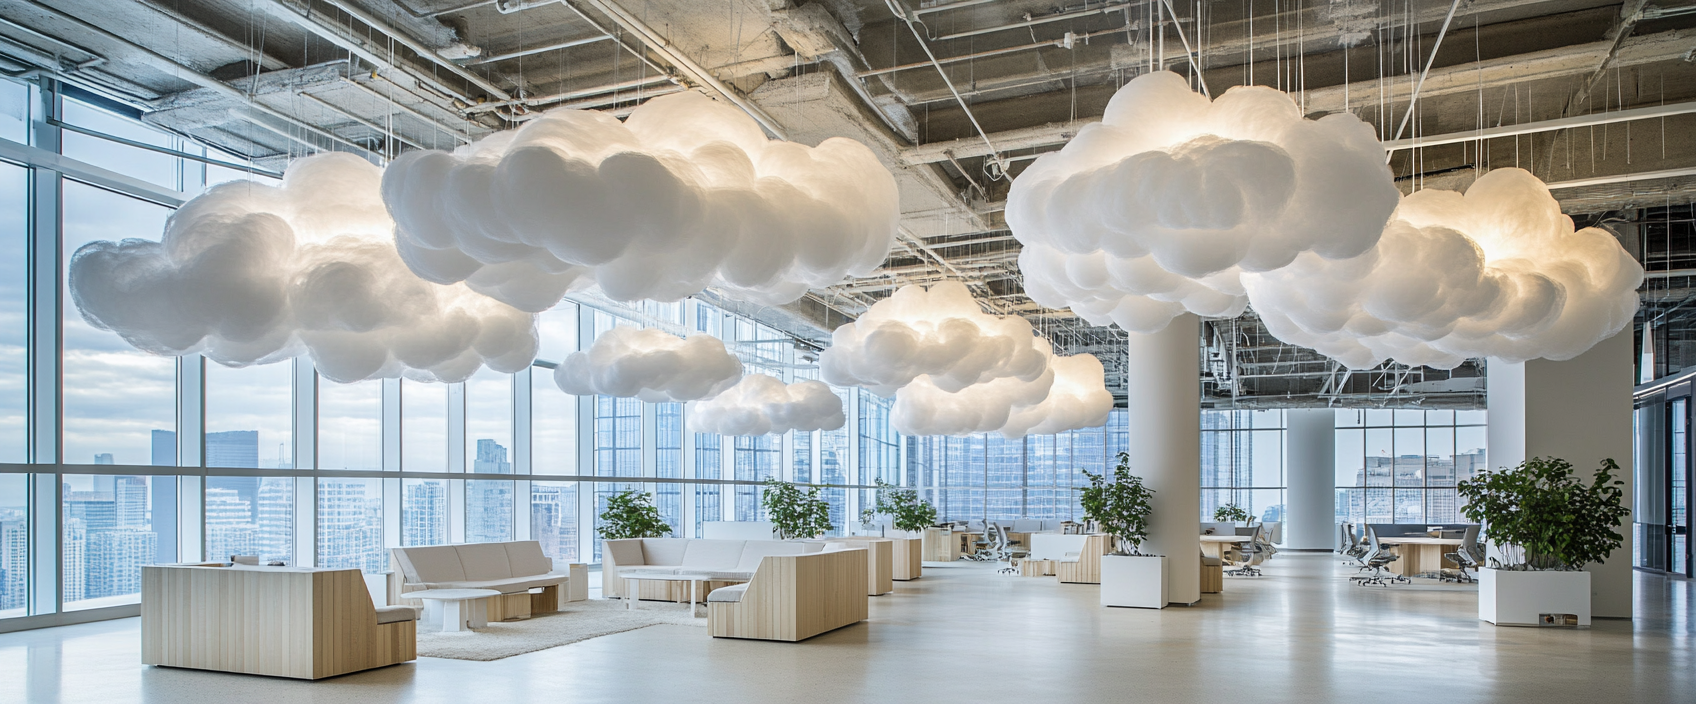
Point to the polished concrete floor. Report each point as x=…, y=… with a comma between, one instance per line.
x=966, y=634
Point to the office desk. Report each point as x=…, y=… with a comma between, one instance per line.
x=1419, y=553
x=940, y=545
x=1218, y=545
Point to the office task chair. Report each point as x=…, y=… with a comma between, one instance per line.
x=1376, y=558
x=984, y=550
x=1253, y=553
x=1470, y=554
x=1356, y=547
x=1009, y=552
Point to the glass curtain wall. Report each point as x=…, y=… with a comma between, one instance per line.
x=986, y=476
x=293, y=468
x=1242, y=462
x=1401, y=466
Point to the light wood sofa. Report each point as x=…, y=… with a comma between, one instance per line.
x=279, y=621
x=793, y=597
x=512, y=568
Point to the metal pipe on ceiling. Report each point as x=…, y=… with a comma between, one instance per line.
x=900, y=9
x=353, y=44
x=418, y=48
x=538, y=50
x=1061, y=42
x=189, y=74
x=681, y=61
x=1039, y=20
x=572, y=95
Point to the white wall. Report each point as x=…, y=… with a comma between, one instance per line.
x=1310, y=479
x=1578, y=410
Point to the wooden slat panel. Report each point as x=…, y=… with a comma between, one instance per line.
x=281, y=622
x=795, y=597
x=1087, y=570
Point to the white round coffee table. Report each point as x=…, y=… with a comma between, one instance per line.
x=454, y=610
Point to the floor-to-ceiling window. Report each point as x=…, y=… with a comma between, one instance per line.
x=1401, y=466
x=1242, y=462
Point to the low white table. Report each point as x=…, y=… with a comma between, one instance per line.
x=631, y=594
x=454, y=610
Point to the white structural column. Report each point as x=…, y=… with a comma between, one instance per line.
x=1580, y=411
x=1310, y=479
x=1164, y=404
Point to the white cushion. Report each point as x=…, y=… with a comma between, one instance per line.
x=731, y=594
x=526, y=558
x=663, y=551
x=395, y=614
x=713, y=554
x=484, y=561
x=753, y=550
x=438, y=563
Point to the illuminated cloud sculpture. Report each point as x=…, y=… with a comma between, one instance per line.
x=940, y=333
x=762, y=405
x=955, y=370
x=250, y=273
x=1071, y=394
x=1498, y=272
x=686, y=193
x=1157, y=209
x=651, y=365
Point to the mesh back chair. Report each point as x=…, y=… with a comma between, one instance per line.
x=1253, y=553
x=1376, y=558
x=1470, y=554
x=1008, y=552
x=1356, y=549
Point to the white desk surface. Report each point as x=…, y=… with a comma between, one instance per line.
x=1226, y=538
x=1418, y=540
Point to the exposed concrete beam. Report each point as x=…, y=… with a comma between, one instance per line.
x=1564, y=62
x=1600, y=118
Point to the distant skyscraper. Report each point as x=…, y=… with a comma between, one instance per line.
x=229, y=524
x=233, y=448
x=14, y=559
x=424, y=514
x=350, y=526
x=73, y=559
x=164, y=448
x=275, y=542
x=488, y=504
x=114, y=560
x=103, y=458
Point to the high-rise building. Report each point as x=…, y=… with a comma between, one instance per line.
x=424, y=513
x=275, y=541
x=103, y=458
x=14, y=559
x=230, y=528
x=73, y=559
x=233, y=448
x=114, y=560
x=488, y=504
x=350, y=526
x=164, y=448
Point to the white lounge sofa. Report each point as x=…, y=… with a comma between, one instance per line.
x=513, y=569
x=732, y=560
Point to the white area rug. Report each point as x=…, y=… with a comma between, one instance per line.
x=578, y=622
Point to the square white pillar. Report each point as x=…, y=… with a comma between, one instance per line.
x=1578, y=410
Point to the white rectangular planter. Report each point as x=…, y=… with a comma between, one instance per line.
x=1138, y=581
x=1510, y=598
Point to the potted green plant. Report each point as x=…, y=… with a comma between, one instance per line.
x=1121, y=507
x=795, y=514
x=1232, y=513
x=907, y=512
x=632, y=514
x=1546, y=524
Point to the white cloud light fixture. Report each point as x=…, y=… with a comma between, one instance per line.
x=763, y=405
x=651, y=365
x=940, y=333
x=250, y=274
x=1159, y=208
x=686, y=193
x=955, y=370
x=1497, y=272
